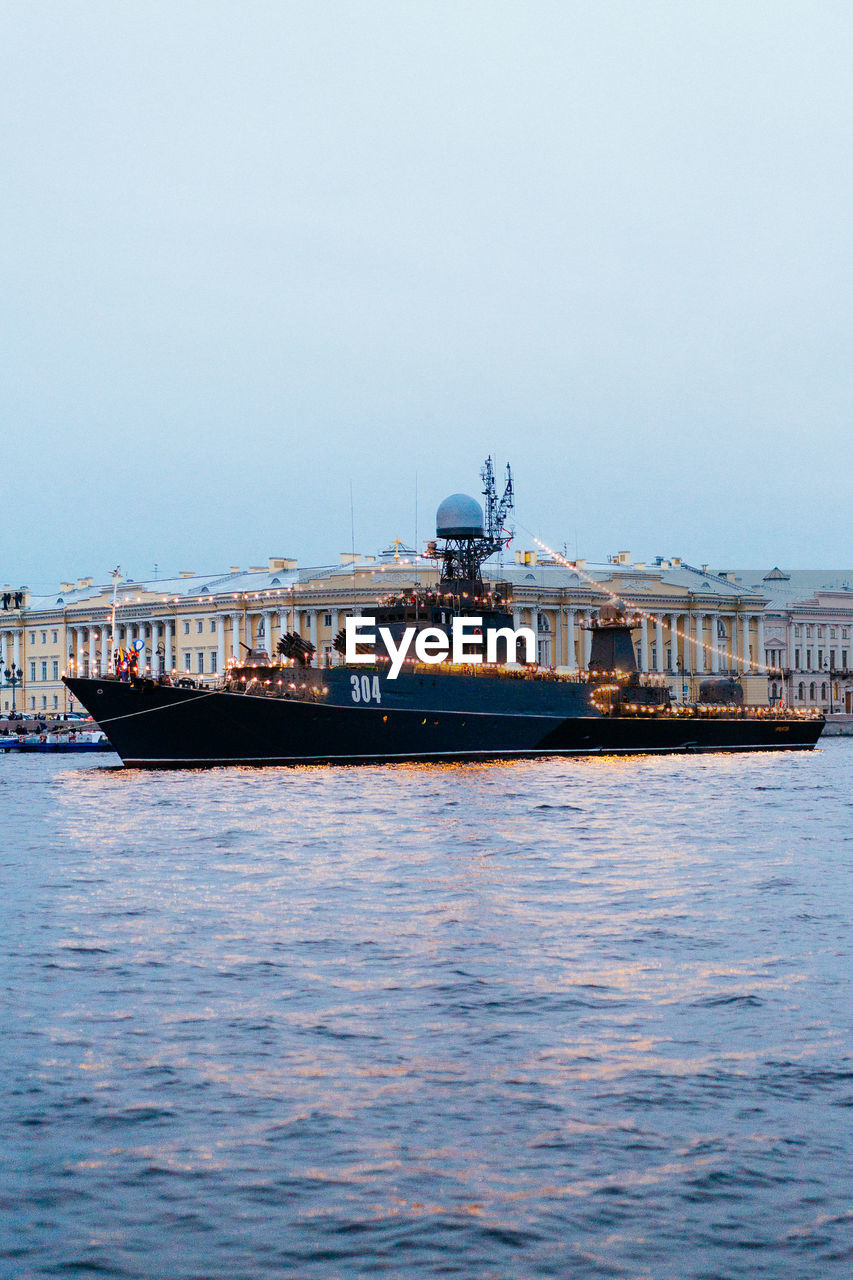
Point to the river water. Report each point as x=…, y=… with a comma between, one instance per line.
x=552, y=1018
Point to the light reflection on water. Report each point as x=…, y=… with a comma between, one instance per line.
x=576, y=1018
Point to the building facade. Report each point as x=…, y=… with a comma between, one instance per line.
x=692, y=623
x=808, y=635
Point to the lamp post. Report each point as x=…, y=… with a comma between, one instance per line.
x=831, y=673
x=14, y=677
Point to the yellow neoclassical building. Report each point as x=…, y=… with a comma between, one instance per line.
x=693, y=623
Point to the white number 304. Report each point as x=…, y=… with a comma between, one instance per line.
x=365, y=689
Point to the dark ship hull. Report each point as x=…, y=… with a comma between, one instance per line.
x=356, y=718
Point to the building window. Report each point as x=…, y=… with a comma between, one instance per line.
x=823, y=693
x=200, y=662
x=213, y=626
x=833, y=632
x=44, y=702
x=55, y=670
x=820, y=659
x=809, y=632
x=32, y=704
x=797, y=659
x=199, y=625
x=820, y=633
x=186, y=628
x=798, y=632
x=808, y=659
x=55, y=637
x=812, y=691
x=188, y=661
x=55, y=702
x=844, y=659
x=122, y=633
x=44, y=671
x=32, y=672
x=845, y=633
x=213, y=662
x=44, y=637
x=327, y=619
x=32, y=637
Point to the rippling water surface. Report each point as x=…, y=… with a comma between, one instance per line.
x=555, y=1018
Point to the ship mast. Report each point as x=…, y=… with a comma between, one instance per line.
x=469, y=535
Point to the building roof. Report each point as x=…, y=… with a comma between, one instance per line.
x=629, y=578
x=786, y=587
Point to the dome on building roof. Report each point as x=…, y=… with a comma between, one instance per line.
x=459, y=516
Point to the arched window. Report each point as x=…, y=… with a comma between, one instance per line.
x=774, y=692
x=823, y=693
x=801, y=691
x=811, y=691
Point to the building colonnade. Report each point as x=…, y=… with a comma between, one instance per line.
x=669, y=642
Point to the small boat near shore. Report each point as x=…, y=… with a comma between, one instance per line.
x=52, y=743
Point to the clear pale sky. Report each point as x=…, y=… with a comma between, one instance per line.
x=255, y=252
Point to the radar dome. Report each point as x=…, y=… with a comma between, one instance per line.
x=459, y=517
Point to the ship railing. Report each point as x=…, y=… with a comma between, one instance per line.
x=712, y=710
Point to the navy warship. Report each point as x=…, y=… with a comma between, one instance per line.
x=283, y=709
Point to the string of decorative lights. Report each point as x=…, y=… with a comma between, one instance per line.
x=732, y=657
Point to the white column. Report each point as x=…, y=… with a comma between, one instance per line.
x=571, y=654
x=587, y=639
x=220, y=643
x=715, y=642
x=700, y=642
x=762, y=657
x=235, y=636
x=312, y=629
x=78, y=652
x=516, y=617
x=16, y=648
x=168, y=655
x=659, y=663
x=673, y=641
x=644, y=643
x=282, y=621
x=687, y=643
x=744, y=624
x=105, y=650
x=336, y=657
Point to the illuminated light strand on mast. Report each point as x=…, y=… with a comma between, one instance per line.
x=643, y=613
